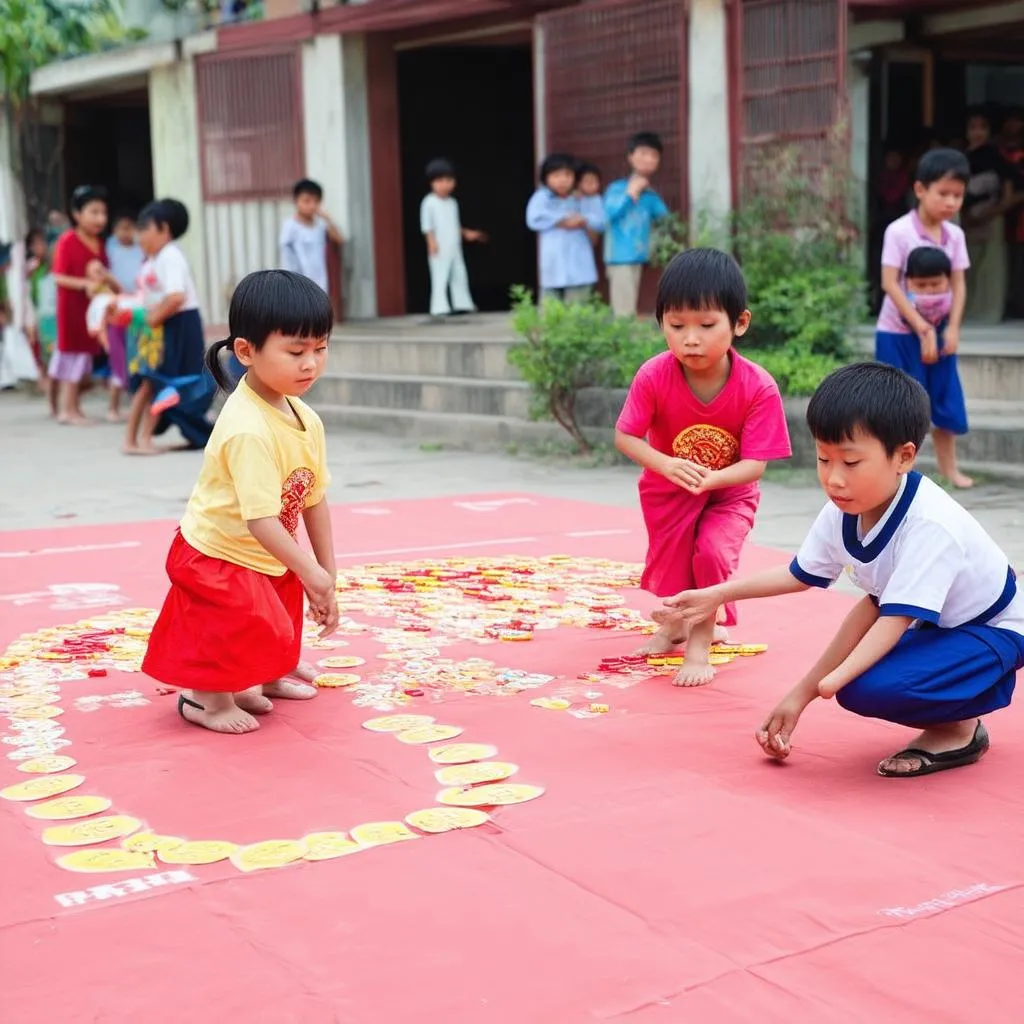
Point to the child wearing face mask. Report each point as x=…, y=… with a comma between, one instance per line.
x=928, y=284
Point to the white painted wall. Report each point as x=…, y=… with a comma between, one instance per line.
x=709, y=164
x=176, y=172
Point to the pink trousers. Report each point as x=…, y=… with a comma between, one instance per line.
x=694, y=540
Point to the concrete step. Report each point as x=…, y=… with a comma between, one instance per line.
x=425, y=355
x=465, y=430
x=443, y=395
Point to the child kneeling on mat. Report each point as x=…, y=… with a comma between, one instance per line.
x=937, y=641
x=230, y=630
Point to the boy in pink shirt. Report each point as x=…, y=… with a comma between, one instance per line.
x=703, y=422
x=904, y=337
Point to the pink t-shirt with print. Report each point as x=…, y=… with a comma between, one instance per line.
x=901, y=238
x=745, y=420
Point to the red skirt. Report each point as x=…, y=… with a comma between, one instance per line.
x=224, y=628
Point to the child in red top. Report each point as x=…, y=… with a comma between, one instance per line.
x=74, y=252
x=703, y=422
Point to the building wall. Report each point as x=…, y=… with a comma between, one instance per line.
x=710, y=176
x=174, y=137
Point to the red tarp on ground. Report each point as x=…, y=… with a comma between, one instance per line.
x=668, y=873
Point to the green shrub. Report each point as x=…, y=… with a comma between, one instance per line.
x=566, y=348
x=796, y=368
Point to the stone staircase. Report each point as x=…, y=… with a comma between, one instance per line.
x=451, y=383
x=445, y=383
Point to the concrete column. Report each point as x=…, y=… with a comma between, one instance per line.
x=177, y=173
x=710, y=172
x=360, y=277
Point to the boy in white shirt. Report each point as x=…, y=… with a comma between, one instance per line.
x=937, y=641
x=303, y=241
x=442, y=227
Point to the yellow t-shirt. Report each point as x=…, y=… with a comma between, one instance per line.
x=259, y=462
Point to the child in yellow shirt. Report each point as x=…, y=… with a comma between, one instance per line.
x=230, y=631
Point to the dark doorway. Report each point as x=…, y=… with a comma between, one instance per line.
x=474, y=106
x=107, y=143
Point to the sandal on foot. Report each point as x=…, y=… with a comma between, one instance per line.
x=182, y=701
x=929, y=762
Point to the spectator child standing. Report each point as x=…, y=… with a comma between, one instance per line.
x=904, y=337
x=631, y=206
x=304, y=235
x=703, y=422
x=41, y=309
x=568, y=271
x=442, y=228
x=172, y=347
x=72, y=361
x=588, y=191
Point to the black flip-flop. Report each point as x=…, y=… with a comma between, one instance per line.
x=182, y=701
x=929, y=762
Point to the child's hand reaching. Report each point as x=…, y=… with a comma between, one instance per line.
x=778, y=727
x=323, y=601
x=695, y=605
x=929, y=345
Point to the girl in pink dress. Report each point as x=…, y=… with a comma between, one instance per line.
x=703, y=422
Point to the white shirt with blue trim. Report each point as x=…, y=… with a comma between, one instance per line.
x=927, y=558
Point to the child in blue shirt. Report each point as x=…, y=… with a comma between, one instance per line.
x=631, y=206
x=568, y=270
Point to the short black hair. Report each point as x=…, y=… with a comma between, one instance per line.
x=556, y=162
x=440, y=168
x=880, y=400
x=169, y=212
x=123, y=215
x=702, y=279
x=86, y=194
x=584, y=169
x=649, y=140
x=937, y=164
x=307, y=187
x=32, y=235
x=928, y=261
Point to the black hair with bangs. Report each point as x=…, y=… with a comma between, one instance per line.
x=272, y=302
x=166, y=213
x=877, y=399
x=702, y=279
x=928, y=261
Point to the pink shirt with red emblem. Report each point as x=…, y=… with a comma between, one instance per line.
x=745, y=420
x=901, y=238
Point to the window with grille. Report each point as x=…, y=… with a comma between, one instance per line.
x=612, y=69
x=250, y=124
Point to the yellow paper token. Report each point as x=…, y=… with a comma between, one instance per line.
x=380, y=833
x=202, y=851
x=332, y=680
x=69, y=807
x=446, y=819
x=95, y=830
x=47, y=765
x=746, y=650
x=105, y=860
x=342, y=661
x=489, y=796
x=429, y=733
x=470, y=774
x=720, y=659
x=271, y=853
x=396, y=723
x=38, y=711
x=551, y=703
x=149, y=842
x=461, y=753
x=38, y=789
x=328, y=845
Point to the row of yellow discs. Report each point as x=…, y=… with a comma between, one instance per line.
x=472, y=782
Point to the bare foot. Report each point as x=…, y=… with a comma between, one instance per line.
x=115, y=417
x=219, y=713
x=960, y=481
x=694, y=673
x=720, y=635
x=672, y=632
x=696, y=669
x=137, y=449
x=285, y=689
x=74, y=420
x=253, y=701
x=305, y=672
